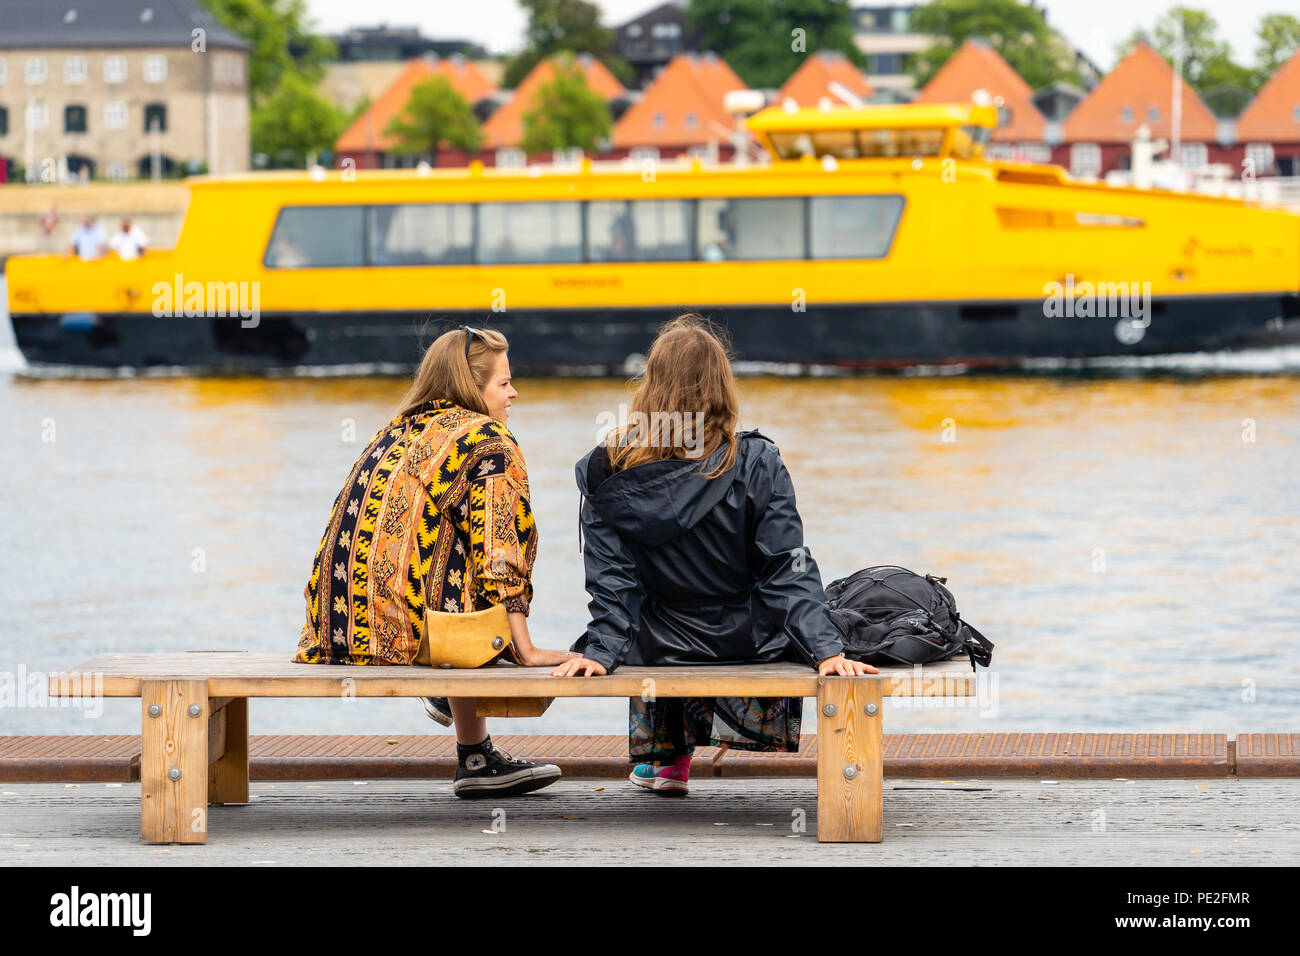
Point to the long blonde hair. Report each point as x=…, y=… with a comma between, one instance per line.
x=446, y=374
x=687, y=378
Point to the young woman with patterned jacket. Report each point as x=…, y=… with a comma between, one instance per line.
x=435, y=515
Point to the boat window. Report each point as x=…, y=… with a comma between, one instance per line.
x=901, y=142
x=310, y=237
x=422, y=234
x=749, y=229
x=853, y=227
x=969, y=140
x=520, y=232
x=642, y=230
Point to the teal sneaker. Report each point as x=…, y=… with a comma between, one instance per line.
x=667, y=781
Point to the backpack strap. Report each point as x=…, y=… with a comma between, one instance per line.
x=978, y=647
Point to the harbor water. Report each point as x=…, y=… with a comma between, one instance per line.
x=1129, y=540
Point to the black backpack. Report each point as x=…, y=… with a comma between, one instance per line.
x=888, y=615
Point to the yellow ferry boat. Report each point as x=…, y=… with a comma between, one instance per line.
x=877, y=236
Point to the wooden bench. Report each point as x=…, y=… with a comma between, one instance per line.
x=194, y=718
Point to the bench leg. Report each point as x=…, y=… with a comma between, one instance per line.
x=228, y=751
x=174, y=761
x=850, y=761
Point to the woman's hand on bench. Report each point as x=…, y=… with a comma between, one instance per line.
x=541, y=657
x=570, y=668
x=841, y=666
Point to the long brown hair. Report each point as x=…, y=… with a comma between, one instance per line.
x=687, y=381
x=445, y=373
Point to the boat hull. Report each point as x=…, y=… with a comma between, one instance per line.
x=610, y=341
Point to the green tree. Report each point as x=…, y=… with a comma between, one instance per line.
x=556, y=26
x=436, y=115
x=274, y=28
x=1207, y=60
x=1279, y=37
x=289, y=120
x=294, y=123
x=1017, y=31
x=566, y=112
x=765, y=41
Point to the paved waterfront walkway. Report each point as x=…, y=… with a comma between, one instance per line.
x=1009, y=821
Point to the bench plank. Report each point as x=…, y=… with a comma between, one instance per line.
x=238, y=674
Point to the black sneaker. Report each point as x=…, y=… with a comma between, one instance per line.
x=438, y=709
x=493, y=773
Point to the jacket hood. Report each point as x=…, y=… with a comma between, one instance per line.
x=657, y=501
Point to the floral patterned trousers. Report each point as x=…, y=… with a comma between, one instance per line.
x=661, y=730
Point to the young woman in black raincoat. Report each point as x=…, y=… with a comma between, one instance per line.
x=694, y=554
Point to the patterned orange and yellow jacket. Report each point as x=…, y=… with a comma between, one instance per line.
x=435, y=514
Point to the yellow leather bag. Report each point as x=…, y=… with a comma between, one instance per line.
x=464, y=640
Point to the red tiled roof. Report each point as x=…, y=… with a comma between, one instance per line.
x=682, y=107
x=1138, y=91
x=367, y=131
x=977, y=66
x=505, y=127
x=1274, y=115
x=812, y=80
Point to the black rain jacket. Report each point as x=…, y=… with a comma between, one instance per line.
x=687, y=570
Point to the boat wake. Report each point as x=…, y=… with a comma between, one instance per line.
x=1279, y=359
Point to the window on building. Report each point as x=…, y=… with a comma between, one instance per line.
x=308, y=237
x=115, y=115
x=35, y=70
x=658, y=121
x=751, y=229
x=691, y=121
x=524, y=232
x=641, y=154
x=4, y=70
x=1295, y=113
x=885, y=64
x=74, y=69
x=74, y=119
x=567, y=157
x=115, y=170
x=1085, y=159
x=511, y=158
x=1153, y=113
x=634, y=30
x=38, y=116
x=643, y=230
x=1193, y=155
x=4, y=121
x=1259, y=158
x=155, y=68
x=1126, y=115
x=115, y=69
x=665, y=31
x=853, y=227
x=422, y=234
x=155, y=118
